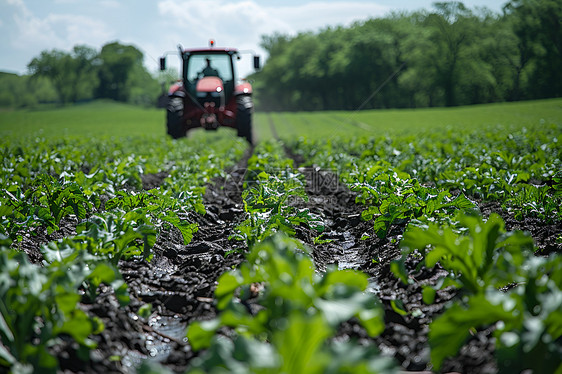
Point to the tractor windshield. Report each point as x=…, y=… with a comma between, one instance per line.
x=217, y=65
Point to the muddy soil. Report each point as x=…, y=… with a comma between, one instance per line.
x=179, y=282
x=353, y=244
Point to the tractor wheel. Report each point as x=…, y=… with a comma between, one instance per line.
x=245, y=107
x=174, y=118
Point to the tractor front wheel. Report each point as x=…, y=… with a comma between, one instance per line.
x=245, y=107
x=174, y=119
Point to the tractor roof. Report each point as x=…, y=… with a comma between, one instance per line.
x=211, y=50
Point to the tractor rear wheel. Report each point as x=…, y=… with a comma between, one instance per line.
x=245, y=107
x=174, y=120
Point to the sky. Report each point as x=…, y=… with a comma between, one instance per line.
x=155, y=27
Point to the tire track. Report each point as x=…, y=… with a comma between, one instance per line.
x=340, y=244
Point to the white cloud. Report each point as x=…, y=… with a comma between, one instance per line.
x=18, y=3
x=110, y=4
x=246, y=21
x=241, y=24
x=315, y=15
x=55, y=30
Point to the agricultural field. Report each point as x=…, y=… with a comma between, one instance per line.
x=360, y=242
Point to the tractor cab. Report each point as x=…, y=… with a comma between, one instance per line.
x=209, y=76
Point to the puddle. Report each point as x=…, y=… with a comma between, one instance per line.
x=349, y=257
x=373, y=286
x=159, y=344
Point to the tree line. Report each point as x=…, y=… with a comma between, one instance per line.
x=115, y=72
x=450, y=55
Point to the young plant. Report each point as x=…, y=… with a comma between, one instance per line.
x=527, y=320
x=392, y=196
x=477, y=254
x=37, y=306
x=267, y=203
x=482, y=259
x=44, y=204
x=291, y=321
x=115, y=237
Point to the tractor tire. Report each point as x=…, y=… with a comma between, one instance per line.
x=174, y=119
x=245, y=108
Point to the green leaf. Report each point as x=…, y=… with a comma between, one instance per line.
x=381, y=225
x=200, y=334
x=398, y=306
x=428, y=295
x=79, y=326
x=450, y=330
x=5, y=329
x=5, y=210
x=300, y=344
x=103, y=273
x=57, y=251
x=187, y=229
x=257, y=355
x=350, y=278
x=145, y=311
x=6, y=356
x=66, y=302
x=399, y=270
x=121, y=291
x=227, y=284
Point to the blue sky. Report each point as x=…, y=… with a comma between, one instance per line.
x=28, y=27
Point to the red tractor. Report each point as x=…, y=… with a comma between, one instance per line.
x=209, y=94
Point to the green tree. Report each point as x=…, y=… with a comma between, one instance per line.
x=144, y=88
x=538, y=26
x=117, y=61
x=479, y=74
x=449, y=56
x=377, y=55
x=272, y=82
x=56, y=65
x=72, y=74
x=450, y=35
x=18, y=91
x=84, y=71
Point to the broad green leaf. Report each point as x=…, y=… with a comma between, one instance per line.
x=450, y=330
x=398, y=306
x=200, y=334
x=428, y=295
x=300, y=344
x=6, y=356
x=5, y=329
x=399, y=270
x=227, y=284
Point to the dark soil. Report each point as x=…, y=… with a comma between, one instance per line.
x=180, y=280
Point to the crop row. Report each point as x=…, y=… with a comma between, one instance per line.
x=95, y=187
x=516, y=166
